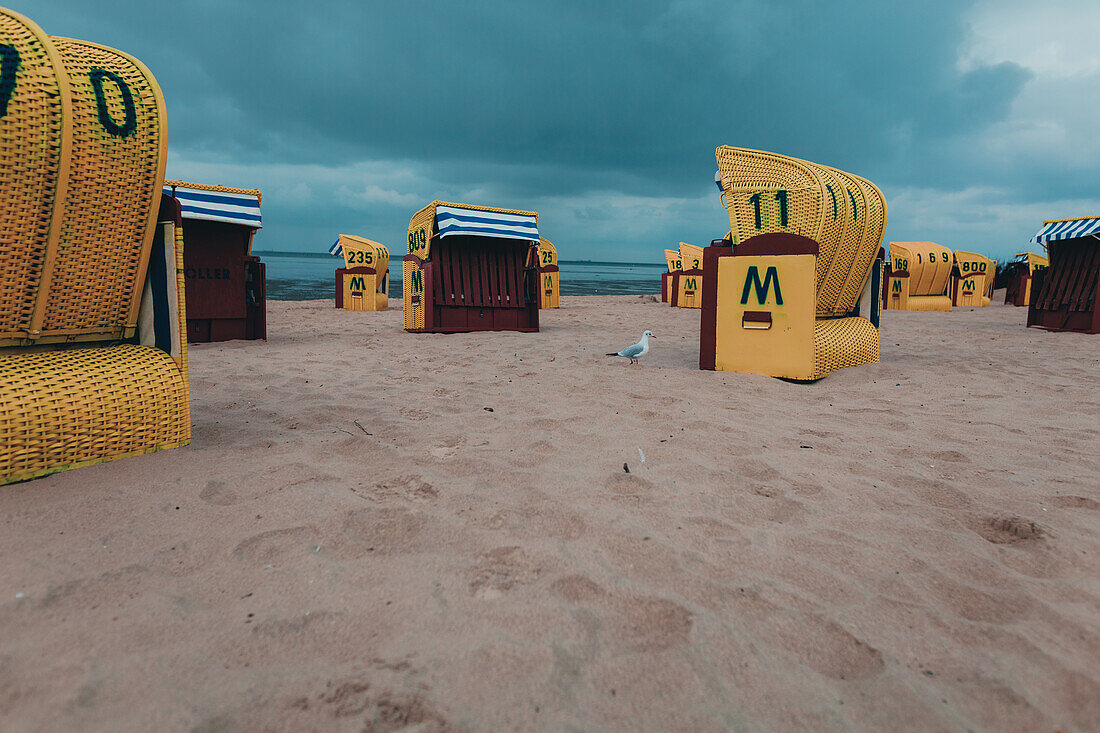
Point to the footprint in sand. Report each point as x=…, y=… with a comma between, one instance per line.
x=218, y=494
x=379, y=531
x=654, y=624
x=641, y=623
x=1007, y=529
x=501, y=570
x=447, y=448
x=376, y=708
x=825, y=647
x=410, y=487
x=978, y=605
x=267, y=547
x=577, y=588
x=1074, y=502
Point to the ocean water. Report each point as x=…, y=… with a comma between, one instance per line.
x=311, y=276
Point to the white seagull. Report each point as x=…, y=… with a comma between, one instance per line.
x=638, y=350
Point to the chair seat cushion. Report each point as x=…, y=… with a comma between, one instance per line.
x=929, y=303
x=69, y=407
x=843, y=342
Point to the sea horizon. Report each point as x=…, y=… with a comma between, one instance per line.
x=311, y=276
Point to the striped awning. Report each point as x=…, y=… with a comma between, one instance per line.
x=231, y=208
x=453, y=220
x=1067, y=229
x=337, y=249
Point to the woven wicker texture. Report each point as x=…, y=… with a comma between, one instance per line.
x=846, y=215
x=843, y=342
x=34, y=145
x=59, y=408
x=869, y=214
x=413, y=314
x=765, y=192
x=843, y=223
x=115, y=178
x=672, y=259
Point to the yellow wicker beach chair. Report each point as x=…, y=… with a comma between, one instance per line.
x=549, y=283
x=92, y=364
x=792, y=291
x=687, y=282
x=972, y=279
x=920, y=277
x=364, y=283
x=675, y=264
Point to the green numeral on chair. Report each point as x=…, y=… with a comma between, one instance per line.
x=757, y=202
x=9, y=66
x=130, y=123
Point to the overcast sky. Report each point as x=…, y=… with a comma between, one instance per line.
x=977, y=119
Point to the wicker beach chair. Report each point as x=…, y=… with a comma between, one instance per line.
x=674, y=264
x=549, y=276
x=972, y=279
x=364, y=283
x=1020, y=273
x=92, y=363
x=793, y=282
x=1065, y=295
x=919, y=277
x=687, y=282
x=471, y=268
x=226, y=283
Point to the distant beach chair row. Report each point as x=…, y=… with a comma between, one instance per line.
x=925, y=276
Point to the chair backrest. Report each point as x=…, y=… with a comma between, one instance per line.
x=548, y=253
x=672, y=259
x=844, y=213
x=362, y=252
x=1036, y=262
x=928, y=264
x=970, y=263
x=97, y=118
x=691, y=256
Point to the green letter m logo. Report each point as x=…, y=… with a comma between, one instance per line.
x=417, y=282
x=752, y=280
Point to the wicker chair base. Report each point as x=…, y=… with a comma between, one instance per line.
x=929, y=303
x=70, y=408
x=843, y=342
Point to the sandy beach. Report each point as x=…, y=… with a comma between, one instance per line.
x=375, y=530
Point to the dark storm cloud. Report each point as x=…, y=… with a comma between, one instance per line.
x=645, y=90
x=532, y=99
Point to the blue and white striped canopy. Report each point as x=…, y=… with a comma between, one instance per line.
x=453, y=220
x=231, y=208
x=336, y=250
x=1072, y=229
